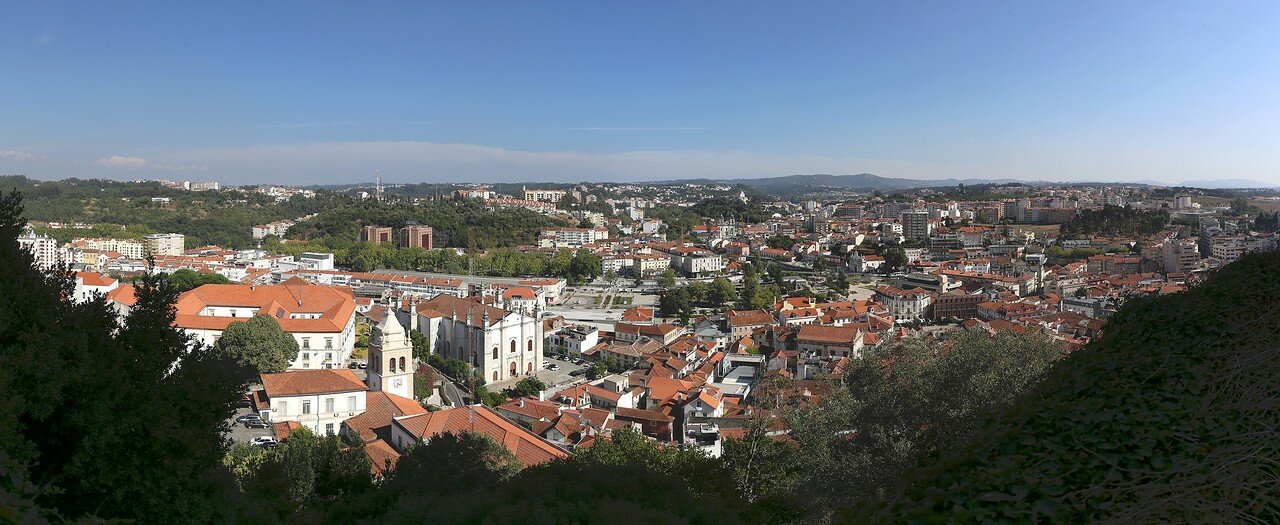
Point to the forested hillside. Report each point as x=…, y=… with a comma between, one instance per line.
x=225, y=217
x=1170, y=417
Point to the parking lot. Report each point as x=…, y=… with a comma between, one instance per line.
x=240, y=434
x=554, y=379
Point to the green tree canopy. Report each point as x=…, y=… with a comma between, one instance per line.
x=258, y=343
x=112, y=420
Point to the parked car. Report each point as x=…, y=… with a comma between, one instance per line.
x=255, y=423
x=263, y=441
x=578, y=372
x=353, y=365
x=247, y=417
x=553, y=367
x=364, y=366
x=245, y=402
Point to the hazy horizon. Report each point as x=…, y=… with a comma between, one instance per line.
x=295, y=93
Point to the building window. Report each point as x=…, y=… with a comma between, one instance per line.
x=306, y=342
x=351, y=403
x=513, y=346
x=391, y=365
x=306, y=407
x=529, y=345
x=283, y=408
x=328, y=406
x=328, y=343
x=402, y=364
x=328, y=428
x=495, y=352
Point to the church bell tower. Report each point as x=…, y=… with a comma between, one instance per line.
x=391, y=358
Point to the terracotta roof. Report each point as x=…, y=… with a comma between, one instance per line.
x=748, y=317
x=519, y=292
x=827, y=334
x=306, y=382
x=94, y=279
x=283, y=429
x=380, y=409
x=449, y=305
x=637, y=314
x=382, y=458
x=532, y=408
x=334, y=304
x=528, y=447
x=642, y=415
x=124, y=294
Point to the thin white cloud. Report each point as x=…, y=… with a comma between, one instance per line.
x=116, y=161
x=336, y=162
x=304, y=125
x=139, y=163
x=8, y=154
x=669, y=128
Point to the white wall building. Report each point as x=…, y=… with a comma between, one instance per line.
x=318, y=399
x=501, y=344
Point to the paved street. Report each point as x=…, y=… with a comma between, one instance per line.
x=554, y=379
x=240, y=434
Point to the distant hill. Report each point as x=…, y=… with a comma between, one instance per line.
x=861, y=181
x=1215, y=184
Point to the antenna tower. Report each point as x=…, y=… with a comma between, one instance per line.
x=378, y=191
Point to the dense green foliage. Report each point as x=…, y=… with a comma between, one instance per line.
x=187, y=279
x=1169, y=417
x=225, y=217
x=458, y=223
x=259, y=344
x=102, y=419
x=304, y=473
x=1116, y=221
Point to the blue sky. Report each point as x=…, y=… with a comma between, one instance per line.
x=620, y=91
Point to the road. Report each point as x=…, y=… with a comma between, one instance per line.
x=240, y=434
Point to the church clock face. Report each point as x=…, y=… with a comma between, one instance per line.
x=397, y=382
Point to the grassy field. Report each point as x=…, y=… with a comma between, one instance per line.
x=1041, y=231
x=622, y=300
x=1267, y=205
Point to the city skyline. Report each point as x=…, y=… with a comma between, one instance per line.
x=292, y=94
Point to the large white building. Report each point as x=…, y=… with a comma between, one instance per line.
x=166, y=244
x=501, y=344
x=320, y=318
x=905, y=304
x=129, y=248
x=317, y=399
x=571, y=237
x=916, y=225
x=43, y=249
x=543, y=195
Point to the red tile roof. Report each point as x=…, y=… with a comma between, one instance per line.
x=334, y=304
x=528, y=447
x=307, y=382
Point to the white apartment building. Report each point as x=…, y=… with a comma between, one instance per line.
x=571, y=237
x=129, y=248
x=44, y=250
x=905, y=305
x=916, y=225
x=543, y=195
x=158, y=244
x=278, y=229
x=317, y=399
x=573, y=339
x=1180, y=255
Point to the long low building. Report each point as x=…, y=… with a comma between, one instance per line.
x=320, y=318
